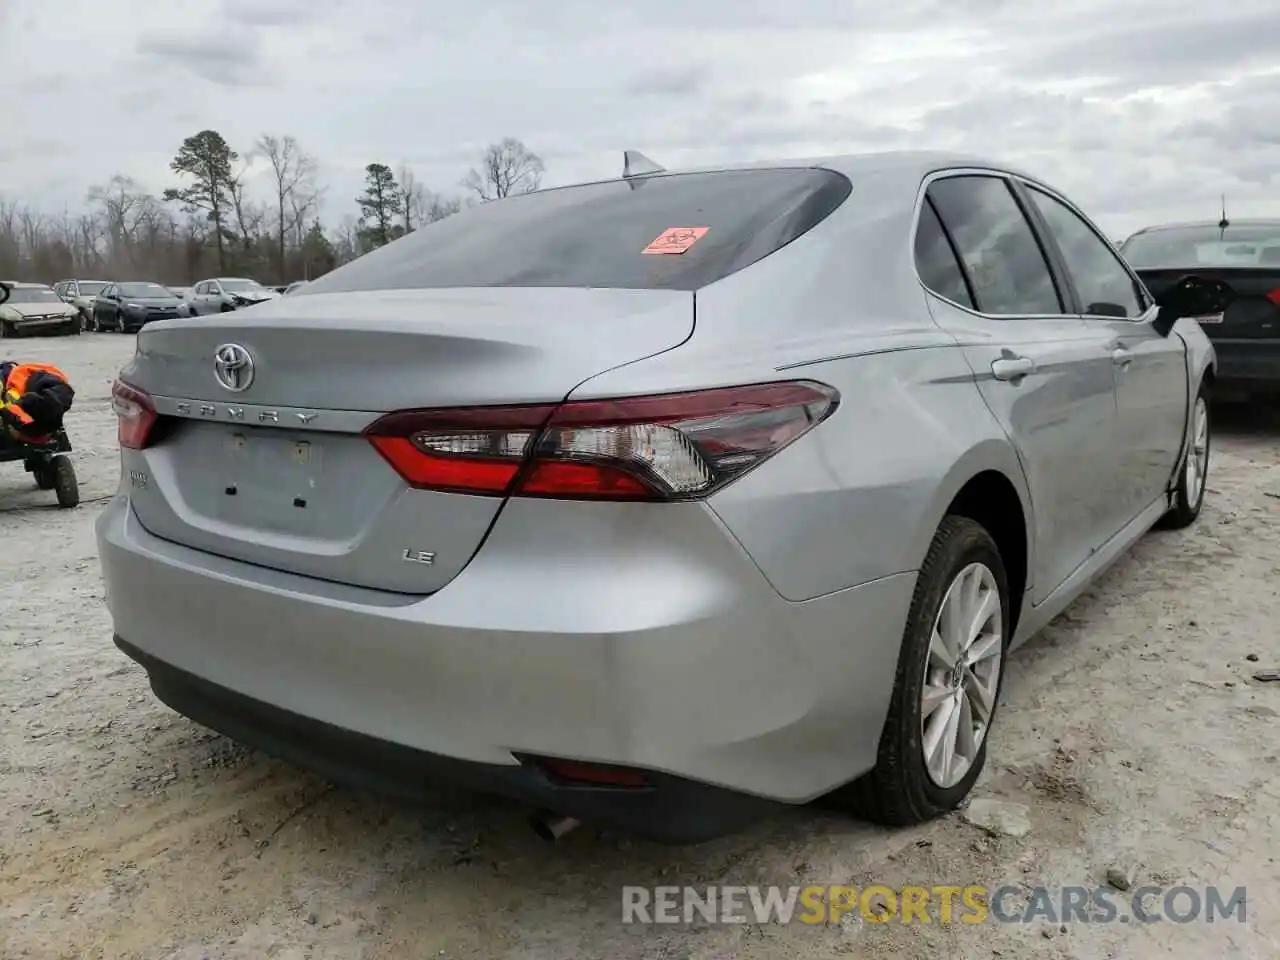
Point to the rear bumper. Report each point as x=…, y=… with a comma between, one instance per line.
x=671, y=810
x=1253, y=364
x=674, y=656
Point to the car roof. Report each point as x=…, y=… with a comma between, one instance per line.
x=900, y=163
x=1212, y=224
x=27, y=285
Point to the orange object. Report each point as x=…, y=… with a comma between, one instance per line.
x=676, y=239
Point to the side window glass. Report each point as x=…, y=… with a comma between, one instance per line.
x=1106, y=289
x=936, y=261
x=200, y=289
x=997, y=247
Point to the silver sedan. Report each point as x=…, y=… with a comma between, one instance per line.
x=662, y=501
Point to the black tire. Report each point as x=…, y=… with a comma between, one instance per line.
x=43, y=473
x=7, y=329
x=227, y=308
x=1187, y=502
x=899, y=790
x=65, y=483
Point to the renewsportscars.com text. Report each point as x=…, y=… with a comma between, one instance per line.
x=821, y=905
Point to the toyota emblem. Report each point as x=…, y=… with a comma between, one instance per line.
x=233, y=367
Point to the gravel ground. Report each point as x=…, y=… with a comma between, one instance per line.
x=1132, y=731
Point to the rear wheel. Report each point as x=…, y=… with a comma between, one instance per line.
x=43, y=472
x=1188, y=495
x=950, y=670
x=65, y=483
x=7, y=329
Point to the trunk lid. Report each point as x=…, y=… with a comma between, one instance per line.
x=1255, y=314
x=278, y=474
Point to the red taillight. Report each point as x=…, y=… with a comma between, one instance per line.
x=135, y=413
x=1274, y=296
x=670, y=447
x=472, y=450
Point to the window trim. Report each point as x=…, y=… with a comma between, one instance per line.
x=955, y=254
x=1145, y=301
x=1061, y=286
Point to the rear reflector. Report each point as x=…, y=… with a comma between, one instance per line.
x=593, y=775
x=671, y=447
x=135, y=415
x=1274, y=296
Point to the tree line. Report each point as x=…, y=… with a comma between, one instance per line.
x=210, y=223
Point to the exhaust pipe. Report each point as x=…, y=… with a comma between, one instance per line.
x=551, y=826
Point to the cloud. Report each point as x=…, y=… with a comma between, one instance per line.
x=1139, y=113
x=221, y=57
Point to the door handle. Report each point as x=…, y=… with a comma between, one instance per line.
x=1121, y=357
x=1012, y=368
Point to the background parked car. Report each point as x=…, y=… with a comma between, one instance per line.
x=128, y=307
x=295, y=286
x=1245, y=254
x=36, y=308
x=224, y=294
x=183, y=293
x=81, y=294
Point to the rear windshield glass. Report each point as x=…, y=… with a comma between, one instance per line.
x=1242, y=246
x=594, y=235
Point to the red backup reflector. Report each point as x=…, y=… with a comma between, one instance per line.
x=1274, y=296
x=135, y=415
x=667, y=447
x=590, y=774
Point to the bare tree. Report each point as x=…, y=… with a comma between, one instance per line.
x=413, y=199
x=123, y=204
x=218, y=219
x=438, y=206
x=507, y=167
x=293, y=173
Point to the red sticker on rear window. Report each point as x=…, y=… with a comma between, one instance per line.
x=676, y=239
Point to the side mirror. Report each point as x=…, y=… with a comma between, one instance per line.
x=1191, y=296
x=4, y=292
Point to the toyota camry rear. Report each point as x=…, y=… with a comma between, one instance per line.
x=444, y=514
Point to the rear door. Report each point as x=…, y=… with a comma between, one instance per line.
x=1044, y=373
x=105, y=307
x=1152, y=392
x=199, y=298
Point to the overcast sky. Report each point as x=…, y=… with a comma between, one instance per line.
x=1141, y=110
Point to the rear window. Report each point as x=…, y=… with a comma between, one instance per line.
x=1205, y=246
x=594, y=235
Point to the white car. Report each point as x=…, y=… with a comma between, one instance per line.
x=36, y=308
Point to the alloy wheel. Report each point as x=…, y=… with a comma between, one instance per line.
x=1197, y=466
x=962, y=675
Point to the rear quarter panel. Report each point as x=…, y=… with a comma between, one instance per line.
x=861, y=496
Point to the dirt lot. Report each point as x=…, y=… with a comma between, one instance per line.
x=1131, y=729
